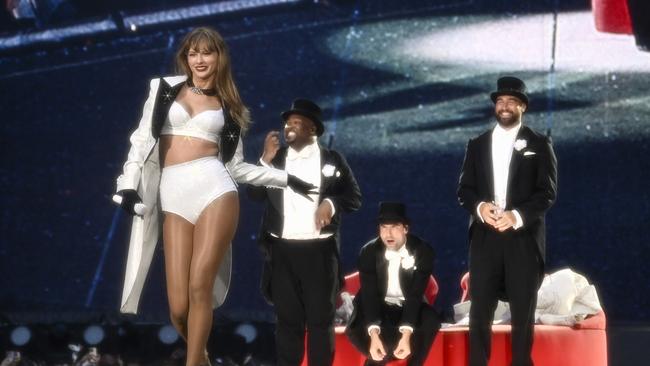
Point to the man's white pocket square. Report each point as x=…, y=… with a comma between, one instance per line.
x=329, y=170
x=529, y=153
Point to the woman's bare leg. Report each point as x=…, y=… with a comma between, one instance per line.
x=213, y=233
x=178, y=235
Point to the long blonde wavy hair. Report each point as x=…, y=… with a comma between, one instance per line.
x=204, y=38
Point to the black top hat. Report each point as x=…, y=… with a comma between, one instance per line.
x=309, y=109
x=392, y=212
x=510, y=85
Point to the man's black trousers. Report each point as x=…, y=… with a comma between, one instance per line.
x=421, y=339
x=304, y=285
x=503, y=266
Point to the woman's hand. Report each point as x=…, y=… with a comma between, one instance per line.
x=129, y=199
x=300, y=186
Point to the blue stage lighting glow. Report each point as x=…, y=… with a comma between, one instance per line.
x=94, y=335
x=248, y=331
x=167, y=334
x=135, y=22
x=202, y=10
x=20, y=336
x=57, y=34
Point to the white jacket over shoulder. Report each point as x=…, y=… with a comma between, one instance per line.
x=141, y=172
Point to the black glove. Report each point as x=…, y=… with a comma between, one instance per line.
x=300, y=186
x=129, y=199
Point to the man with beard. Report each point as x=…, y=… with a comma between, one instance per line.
x=299, y=236
x=391, y=320
x=508, y=182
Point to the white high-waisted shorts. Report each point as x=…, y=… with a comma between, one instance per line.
x=188, y=188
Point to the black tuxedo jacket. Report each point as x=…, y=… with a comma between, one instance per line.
x=373, y=272
x=532, y=184
x=340, y=187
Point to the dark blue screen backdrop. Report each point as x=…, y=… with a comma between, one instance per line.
x=403, y=86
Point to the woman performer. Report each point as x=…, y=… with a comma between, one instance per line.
x=191, y=128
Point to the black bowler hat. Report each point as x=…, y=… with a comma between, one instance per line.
x=309, y=109
x=392, y=212
x=510, y=85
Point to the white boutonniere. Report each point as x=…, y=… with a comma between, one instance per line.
x=328, y=170
x=408, y=262
x=520, y=144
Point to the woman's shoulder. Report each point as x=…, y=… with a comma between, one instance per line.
x=171, y=80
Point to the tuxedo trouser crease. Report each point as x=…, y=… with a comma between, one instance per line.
x=421, y=340
x=304, y=284
x=503, y=265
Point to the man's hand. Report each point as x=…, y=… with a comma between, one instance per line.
x=403, y=349
x=271, y=146
x=506, y=221
x=323, y=215
x=377, y=352
x=488, y=212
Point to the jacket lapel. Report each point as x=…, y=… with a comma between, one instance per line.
x=229, y=136
x=276, y=195
x=406, y=275
x=515, y=161
x=164, y=98
x=486, y=160
x=325, y=158
x=382, y=267
x=280, y=159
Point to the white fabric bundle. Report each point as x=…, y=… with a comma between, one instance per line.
x=564, y=298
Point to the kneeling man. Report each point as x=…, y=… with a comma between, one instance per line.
x=391, y=317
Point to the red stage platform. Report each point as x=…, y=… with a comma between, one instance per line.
x=585, y=344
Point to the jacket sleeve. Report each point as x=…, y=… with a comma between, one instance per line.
x=545, y=191
x=256, y=193
x=369, y=291
x=349, y=198
x=468, y=196
x=243, y=172
x=415, y=293
x=141, y=143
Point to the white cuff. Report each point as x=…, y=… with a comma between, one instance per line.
x=405, y=327
x=265, y=164
x=374, y=326
x=478, y=211
x=519, y=222
x=331, y=204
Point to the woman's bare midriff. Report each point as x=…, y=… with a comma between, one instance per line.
x=180, y=149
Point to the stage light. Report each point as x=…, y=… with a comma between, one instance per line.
x=167, y=335
x=94, y=335
x=133, y=27
x=12, y=358
x=247, y=331
x=20, y=336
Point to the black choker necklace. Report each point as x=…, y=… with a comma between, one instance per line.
x=196, y=90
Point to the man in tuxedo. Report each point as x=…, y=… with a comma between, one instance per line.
x=299, y=236
x=508, y=182
x=391, y=318
x=639, y=10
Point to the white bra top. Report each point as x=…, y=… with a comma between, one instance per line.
x=206, y=125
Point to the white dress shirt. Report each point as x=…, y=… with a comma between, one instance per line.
x=299, y=212
x=503, y=142
x=394, y=294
